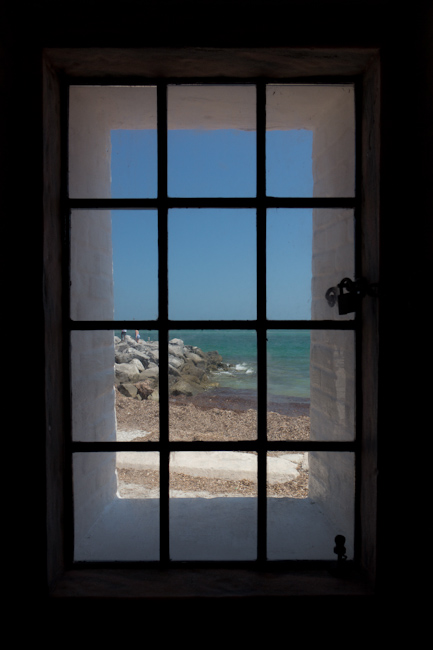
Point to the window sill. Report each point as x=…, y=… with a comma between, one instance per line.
x=155, y=584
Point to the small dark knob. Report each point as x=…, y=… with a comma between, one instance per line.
x=339, y=548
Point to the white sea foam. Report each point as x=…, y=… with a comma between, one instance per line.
x=243, y=367
x=236, y=370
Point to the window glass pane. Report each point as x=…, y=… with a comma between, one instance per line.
x=289, y=264
x=114, y=265
x=332, y=407
x=310, y=501
x=289, y=165
x=311, y=385
x=288, y=383
x=333, y=258
x=133, y=163
x=207, y=522
x=135, y=264
x=136, y=373
x=212, y=264
x=137, y=474
x=114, y=389
x=287, y=474
x=211, y=141
x=116, y=509
x=310, y=143
x=92, y=386
x=213, y=385
x=112, y=142
x=308, y=251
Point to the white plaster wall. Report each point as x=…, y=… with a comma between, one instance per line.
x=332, y=408
x=332, y=488
x=91, y=285
x=92, y=363
x=334, y=142
x=95, y=486
x=329, y=112
x=94, y=112
x=93, y=420
x=332, y=257
x=332, y=353
x=211, y=107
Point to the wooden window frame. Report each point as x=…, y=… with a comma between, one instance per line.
x=73, y=581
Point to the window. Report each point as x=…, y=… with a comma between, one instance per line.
x=60, y=554
x=248, y=205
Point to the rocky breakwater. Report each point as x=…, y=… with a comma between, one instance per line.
x=136, y=368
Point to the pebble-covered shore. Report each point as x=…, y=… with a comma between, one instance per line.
x=139, y=420
x=189, y=422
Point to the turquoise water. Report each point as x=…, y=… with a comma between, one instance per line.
x=288, y=357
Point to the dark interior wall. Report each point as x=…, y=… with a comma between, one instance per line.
x=406, y=263
x=404, y=38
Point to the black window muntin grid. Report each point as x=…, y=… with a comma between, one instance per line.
x=163, y=324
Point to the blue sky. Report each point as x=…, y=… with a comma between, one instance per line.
x=211, y=253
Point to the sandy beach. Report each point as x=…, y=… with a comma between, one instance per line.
x=200, y=419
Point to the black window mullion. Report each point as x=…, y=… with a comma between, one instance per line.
x=261, y=324
x=67, y=340
x=351, y=324
x=359, y=272
x=214, y=202
x=163, y=322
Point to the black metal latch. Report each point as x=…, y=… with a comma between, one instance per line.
x=348, y=294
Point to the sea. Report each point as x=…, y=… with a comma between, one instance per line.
x=288, y=366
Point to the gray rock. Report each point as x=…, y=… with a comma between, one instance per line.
x=126, y=373
x=151, y=372
x=188, y=368
x=129, y=390
x=199, y=371
x=176, y=362
x=196, y=359
x=127, y=356
x=185, y=387
x=137, y=363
